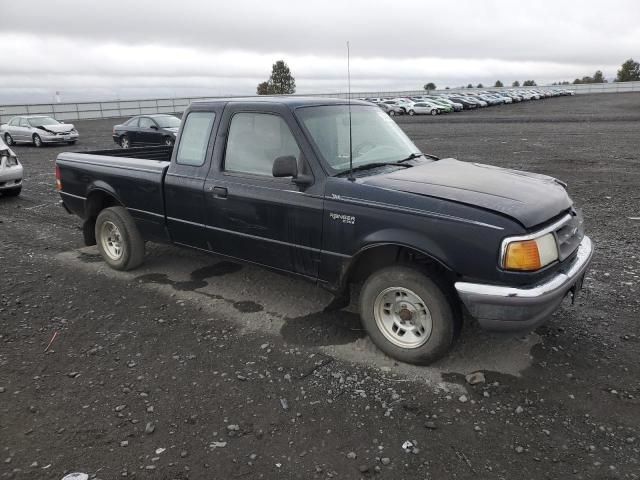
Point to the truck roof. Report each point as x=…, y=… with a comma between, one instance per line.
x=291, y=102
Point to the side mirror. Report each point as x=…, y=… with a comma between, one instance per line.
x=154, y=127
x=285, y=167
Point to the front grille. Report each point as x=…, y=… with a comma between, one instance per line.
x=570, y=234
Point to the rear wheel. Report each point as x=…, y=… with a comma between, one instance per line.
x=434, y=112
x=118, y=239
x=8, y=139
x=392, y=113
x=412, y=112
x=124, y=142
x=37, y=141
x=72, y=142
x=408, y=314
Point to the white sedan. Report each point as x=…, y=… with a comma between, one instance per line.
x=10, y=172
x=424, y=108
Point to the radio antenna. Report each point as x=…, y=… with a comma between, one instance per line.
x=351, y=178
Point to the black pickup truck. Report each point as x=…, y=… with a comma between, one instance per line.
x=418, y=239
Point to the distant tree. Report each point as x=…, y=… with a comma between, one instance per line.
x=564, y=83
x=480, y=86
x=469, y=86
x=515, y=84
x=281, y=82
x=446, y=88
x=529, y=83
x=429, y=86
x=598, y=77
x=263, y=89
x=498, y=84
x=629, y=71
x=577, y=81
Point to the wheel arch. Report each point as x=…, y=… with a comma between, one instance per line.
x=99, y=197
x=375, y=256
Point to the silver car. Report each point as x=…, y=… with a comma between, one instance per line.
x=38, y=130
x=10, y=172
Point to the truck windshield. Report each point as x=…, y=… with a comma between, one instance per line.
x=375, y=136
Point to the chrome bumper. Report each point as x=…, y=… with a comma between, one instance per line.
x=72, y=137
x=511, y=308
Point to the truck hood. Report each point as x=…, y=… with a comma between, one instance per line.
x=62, y=128
x=529, y=198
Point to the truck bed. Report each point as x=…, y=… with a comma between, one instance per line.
x=160, y=153
x=134, y=177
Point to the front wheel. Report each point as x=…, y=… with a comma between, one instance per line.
x=392, y=113
x=168, y=141
x=119, y=241
x=8, y=139
x=37, y=141
x=125, y=142
x=408, y=315
x=412, y=112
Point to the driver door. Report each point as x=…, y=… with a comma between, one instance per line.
x=251, y=214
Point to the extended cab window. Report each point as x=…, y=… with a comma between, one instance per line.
x=255, y=141
x=194, y=138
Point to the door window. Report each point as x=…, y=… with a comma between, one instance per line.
x=255, y=141
x=146, y=122
x=14, y=122
x=194, y=138
x=24, y=123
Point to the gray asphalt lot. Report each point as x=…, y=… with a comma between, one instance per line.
x=205, y=352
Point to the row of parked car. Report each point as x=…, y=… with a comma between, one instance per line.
x=438, y=103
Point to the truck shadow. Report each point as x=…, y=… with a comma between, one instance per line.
x=323, y=328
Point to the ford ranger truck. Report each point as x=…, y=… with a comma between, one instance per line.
x=340, y=196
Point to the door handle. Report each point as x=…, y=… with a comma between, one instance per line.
x=220, y=192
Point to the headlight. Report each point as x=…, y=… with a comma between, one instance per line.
x=529, y=255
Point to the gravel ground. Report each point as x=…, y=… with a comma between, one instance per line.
x=198, y=368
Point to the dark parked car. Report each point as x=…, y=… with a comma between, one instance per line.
x=269, y=182
x=466, y=103
x=145, y=130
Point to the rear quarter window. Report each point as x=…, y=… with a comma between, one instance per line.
x=194, y=138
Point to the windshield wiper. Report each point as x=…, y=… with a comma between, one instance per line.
x=418, y=155
x=368, y=166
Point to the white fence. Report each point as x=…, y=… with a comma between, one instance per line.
x=93, y=110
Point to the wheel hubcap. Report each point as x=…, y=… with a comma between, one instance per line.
x=125, y=143
x=403, y=317
x=111, y=240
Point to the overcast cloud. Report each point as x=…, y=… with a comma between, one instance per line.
x=143, y=48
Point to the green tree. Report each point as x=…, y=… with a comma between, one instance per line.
x=577, y=81
x=446, y=88
x=469, y=86
x=598, y=77
x=263, y=89
x=629, y=71
x=529, y=83
x=480, y=86
x=281, y=82
x=515, y=84
x=498, y=84
x=429, y=86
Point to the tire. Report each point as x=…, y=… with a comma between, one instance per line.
x=8, y=139
x=434, y=112
x=118, y=239
x=125, y=142
x=412, y=112
x=168, y=142
x=400, y=296
x=12, y=192
x=72, y=142
x=37, y=141
x=392, y=113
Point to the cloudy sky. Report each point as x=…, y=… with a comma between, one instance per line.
x=151, y=48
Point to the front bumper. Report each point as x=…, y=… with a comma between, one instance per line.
x=510, y=308
x=71, y=137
